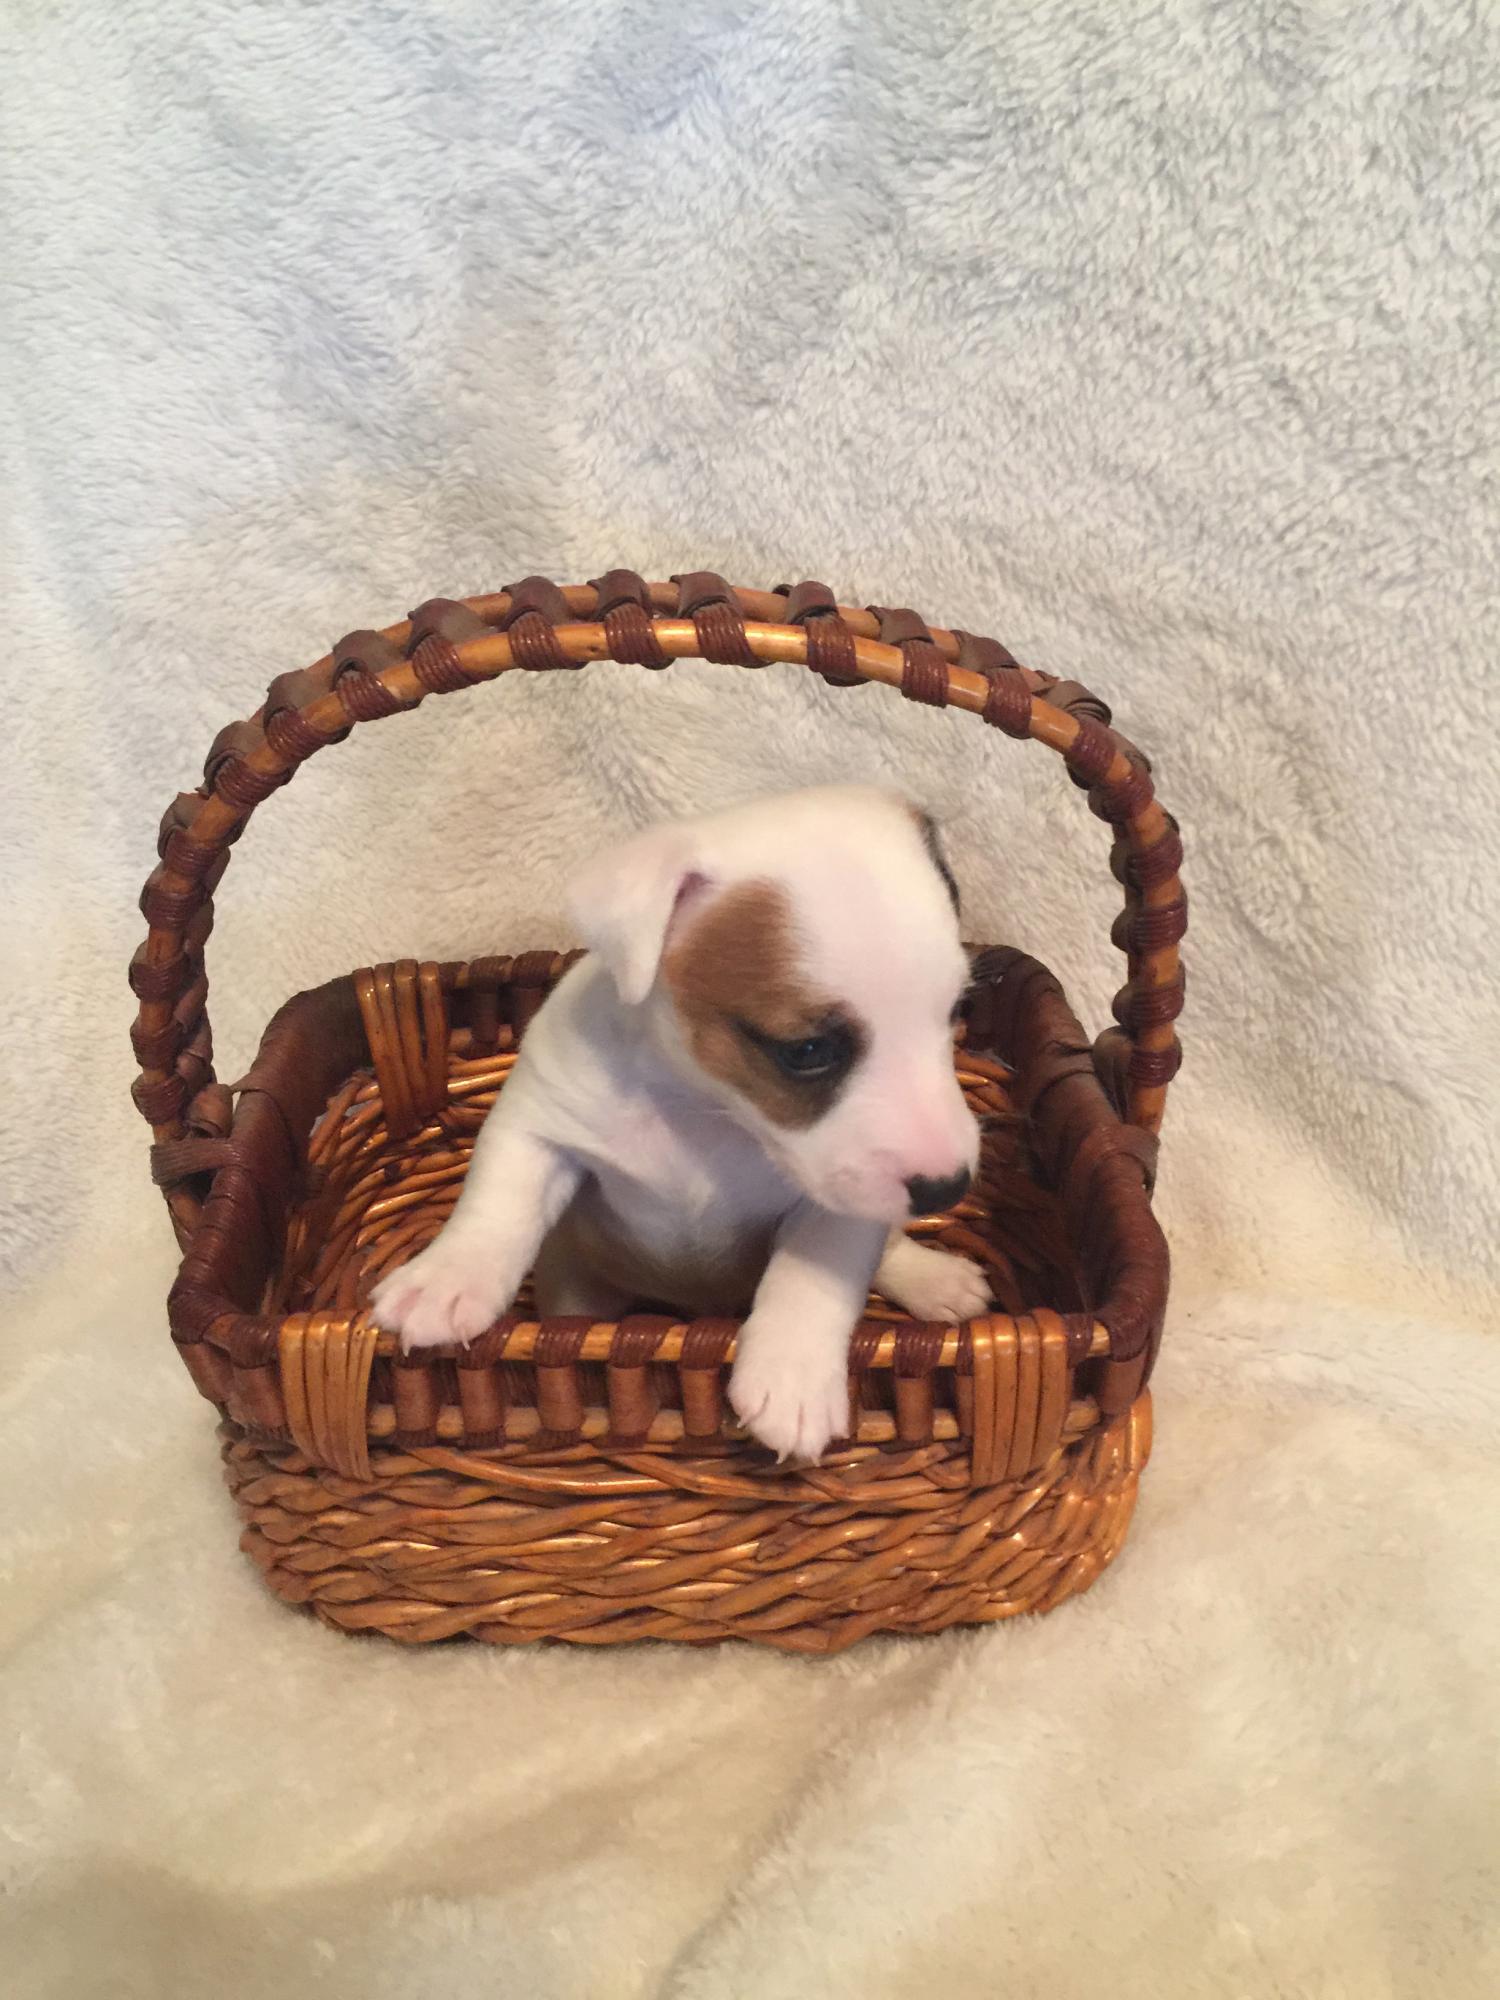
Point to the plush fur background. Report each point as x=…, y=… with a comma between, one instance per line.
x=1157, y=339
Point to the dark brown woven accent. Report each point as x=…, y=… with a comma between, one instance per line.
x=632, y=1392
x=536, y=607
x=1141, y=930
x=211, y=1113
x=620, y=586
x=559, y=1342
x=919, y=1348
x=174, y=845
x=864, y=1344
x=250, y=1341
x=243, y=788
x=292, y=1196
x=535, y=596
x=164, y=978
x=1155, y=1066
x=534, y=646
x=436, y=664
x=1076, y=700
x=1007, y=704
x=632, y=638
x=414, y=1402
x=234, y=740
x=1112, y=1066
x=1155, y=865
x=359, y=659
x=1138, y=1007
x=717, y=620
x=1090, y=754
x=924, y=677
x=177, y=1160
x=531, y=977
x=490, y=1348
x=924, y=671
x=699, y=588
x=707, y=1343
x=486, y=976
x=1078, y=1329
x=445, y=618
x=366, y=700
x=183, y=855
x=984, y=656
x=287, y=729
x=831, y=653
x=156, y=1048
x=900, y=625
x=183, y=1167
x=1126, y=800
x=167, y=908
x=158, y=1099
x=481, y=1397
x=830, y=643
x=157, y=982
x=625, y=608
x=807, y=599
x=1107, y=1142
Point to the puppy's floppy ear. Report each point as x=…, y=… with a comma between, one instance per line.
x=623, y=901
x=932, y=841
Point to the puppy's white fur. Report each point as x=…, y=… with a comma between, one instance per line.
x=608, y=1131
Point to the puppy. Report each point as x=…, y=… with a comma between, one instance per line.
x=732, y=1104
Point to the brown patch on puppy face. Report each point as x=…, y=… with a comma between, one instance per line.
x=739, y=992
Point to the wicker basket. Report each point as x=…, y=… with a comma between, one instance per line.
x=572, y=1480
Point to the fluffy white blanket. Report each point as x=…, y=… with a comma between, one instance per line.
x=1156, y=339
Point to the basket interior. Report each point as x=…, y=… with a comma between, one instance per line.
x=334, y=1183
x=379, y=1199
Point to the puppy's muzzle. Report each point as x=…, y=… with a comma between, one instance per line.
x=930, y=1197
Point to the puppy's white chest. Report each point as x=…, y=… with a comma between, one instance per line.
x=681, y=1207
x=695, y=1166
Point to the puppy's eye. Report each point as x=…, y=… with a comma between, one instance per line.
x=809, y=1058
x=814, y=1055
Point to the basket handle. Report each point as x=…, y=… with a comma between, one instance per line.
x=446, y=645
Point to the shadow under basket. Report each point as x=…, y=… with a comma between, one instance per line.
x=565, y=1479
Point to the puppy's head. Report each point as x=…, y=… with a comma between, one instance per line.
x=801, y=959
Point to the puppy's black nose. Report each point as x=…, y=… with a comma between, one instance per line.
x=929, y=1197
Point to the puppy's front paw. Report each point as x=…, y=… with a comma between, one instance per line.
x=933, y=1284
x=450, y=1292
x=789, y=1396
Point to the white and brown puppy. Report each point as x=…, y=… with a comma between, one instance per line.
x=731, y=1103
